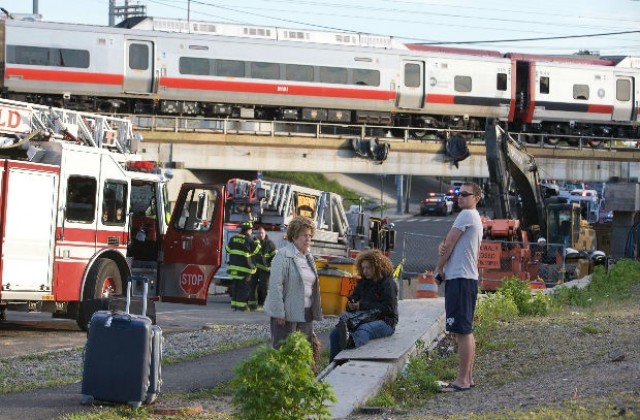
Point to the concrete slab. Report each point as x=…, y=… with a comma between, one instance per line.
x=355, y=382
x=365, y=369
x=419, y=319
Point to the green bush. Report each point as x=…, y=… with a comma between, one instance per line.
x=527, y=303
x=612, y=285
x=280, y=384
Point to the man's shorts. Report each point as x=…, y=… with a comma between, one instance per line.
x=460, y=296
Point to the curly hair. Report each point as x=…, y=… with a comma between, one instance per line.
x=297, y=225
x=382, y=266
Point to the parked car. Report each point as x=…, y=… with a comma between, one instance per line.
x=436, y=203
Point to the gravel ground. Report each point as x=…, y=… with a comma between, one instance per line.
x=586, y=359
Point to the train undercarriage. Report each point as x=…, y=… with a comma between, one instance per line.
x=402, y=125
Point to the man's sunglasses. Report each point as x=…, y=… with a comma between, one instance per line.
x=466, y=194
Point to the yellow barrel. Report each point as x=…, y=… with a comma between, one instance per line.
x=335, y=287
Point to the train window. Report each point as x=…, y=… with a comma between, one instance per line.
x=502, y=81
x=230, y=68
x=333, y=75
x=545, y=84
x=412, y=75
x=366, y=77
x=74, y=58
x=197, y=66
x=138, y=57
x=623, y=90
x=56, y=57
x=81, y=199
x=298, y=73
x=581, y=92
x=462, y=84
x=265, y=70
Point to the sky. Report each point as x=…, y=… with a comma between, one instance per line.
x=540, y=27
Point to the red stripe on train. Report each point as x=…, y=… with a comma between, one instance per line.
x=64, y=76
x=440, y=99
x=600, y=109
x=275, y=88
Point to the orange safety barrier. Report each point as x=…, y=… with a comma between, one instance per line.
x=427, y=287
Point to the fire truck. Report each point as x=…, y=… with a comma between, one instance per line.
x=272, y=205
x=80, y=212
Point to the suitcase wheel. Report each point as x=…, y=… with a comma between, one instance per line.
x=86, y=399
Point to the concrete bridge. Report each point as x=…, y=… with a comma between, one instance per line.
x=262, y=147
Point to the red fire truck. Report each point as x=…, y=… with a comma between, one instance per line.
x=80, y=212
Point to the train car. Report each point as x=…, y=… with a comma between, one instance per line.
x=584, y=99
x=249, y=72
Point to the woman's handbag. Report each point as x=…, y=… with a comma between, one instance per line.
x=356, y=318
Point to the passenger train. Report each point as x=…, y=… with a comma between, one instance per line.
x=172, y=67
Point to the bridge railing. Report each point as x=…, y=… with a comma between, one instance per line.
x=290, y=128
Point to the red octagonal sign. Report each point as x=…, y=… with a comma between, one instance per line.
x=192, y=279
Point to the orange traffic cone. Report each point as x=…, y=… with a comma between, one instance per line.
x=427, y=287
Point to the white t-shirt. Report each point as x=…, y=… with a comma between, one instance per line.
x=463, y=261
x=307, y=274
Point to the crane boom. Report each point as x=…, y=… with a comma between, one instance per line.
x=508, y=161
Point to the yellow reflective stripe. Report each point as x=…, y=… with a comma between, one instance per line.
x=238, y=252
x=241, y=269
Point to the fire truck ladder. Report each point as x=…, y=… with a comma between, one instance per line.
x=93, y=130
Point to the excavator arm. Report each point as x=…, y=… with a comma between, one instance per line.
x=510, y=164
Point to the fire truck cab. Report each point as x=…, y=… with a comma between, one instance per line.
x=79, y=213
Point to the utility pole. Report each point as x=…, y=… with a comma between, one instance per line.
x=125, y=12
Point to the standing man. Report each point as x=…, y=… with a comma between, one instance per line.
x=241, y=249
x=458, y=266
x=260, y=280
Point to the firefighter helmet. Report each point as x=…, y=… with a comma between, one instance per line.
x=246, y=225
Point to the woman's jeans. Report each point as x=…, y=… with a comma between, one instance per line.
x=361, y=336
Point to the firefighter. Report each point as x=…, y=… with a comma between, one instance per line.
x=241, y=250
x=260, y=280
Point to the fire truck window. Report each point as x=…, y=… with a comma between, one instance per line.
x=142, y=194
x=81, y=199
x=114, y=202
x=196, y=213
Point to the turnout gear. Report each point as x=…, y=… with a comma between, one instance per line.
x=241, y=250
x=260, y=280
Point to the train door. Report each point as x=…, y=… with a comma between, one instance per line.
x=139, y=69
x=192, y=246
x=411, y=93
x=623, y=105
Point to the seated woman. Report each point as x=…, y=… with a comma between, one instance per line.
x=376, y=290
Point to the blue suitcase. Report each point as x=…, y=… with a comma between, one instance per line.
x=123, y=355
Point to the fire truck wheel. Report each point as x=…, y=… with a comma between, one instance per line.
x=103, y=281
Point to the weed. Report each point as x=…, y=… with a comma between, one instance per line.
x=280, y=384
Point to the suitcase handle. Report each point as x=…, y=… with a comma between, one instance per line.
x=145, y=292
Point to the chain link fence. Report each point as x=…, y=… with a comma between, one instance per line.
x=542, y=263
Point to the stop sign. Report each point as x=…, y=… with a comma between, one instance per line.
x=192, y=279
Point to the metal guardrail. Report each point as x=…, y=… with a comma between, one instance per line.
x=334, y=130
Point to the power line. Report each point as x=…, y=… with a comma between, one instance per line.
x=533, y=39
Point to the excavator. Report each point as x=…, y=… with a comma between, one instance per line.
x=528, y=227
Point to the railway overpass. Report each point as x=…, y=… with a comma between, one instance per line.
x=197, y=144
